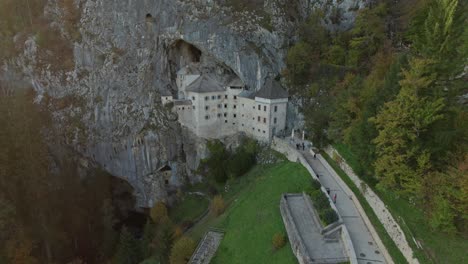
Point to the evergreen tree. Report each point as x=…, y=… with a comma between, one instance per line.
x=402, y=161
x=440, y=33
x=128, y=250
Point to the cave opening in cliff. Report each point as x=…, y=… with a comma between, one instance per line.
x=149, y=17
x=182, y=53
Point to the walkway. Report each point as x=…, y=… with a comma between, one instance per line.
x=367, y=251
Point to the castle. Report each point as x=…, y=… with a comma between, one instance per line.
x=214, y=109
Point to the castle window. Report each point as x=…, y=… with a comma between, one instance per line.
x=276, y=108
x=193, y=98
x=254, y=107
x=225, y=97
x=213, y=97
x=207, y=98
x=219, y=106
x=193, y=107
x=207, y=117
x=242, y=124
x=225, y=114
x=263, y=131
x=264, y=120
x=235, y=106
x=258, y=119
x=183, y=108
x=235, y=115
x=166, y=182
x=259, y=107
x=219, y=96
x=233, y=123
x=258, y=130
x=225, y=105
x=225, y=121
x=207, y=107
x=274, y=120
x=219, y=115
x=235, y=97
x=264, y=108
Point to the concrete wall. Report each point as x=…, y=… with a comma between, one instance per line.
x=297, y=245
x=379, y=208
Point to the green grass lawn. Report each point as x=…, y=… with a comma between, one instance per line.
x=437, y=247
x=190, y=208
x=253, y=216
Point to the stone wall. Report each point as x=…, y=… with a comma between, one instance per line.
x=380, y=209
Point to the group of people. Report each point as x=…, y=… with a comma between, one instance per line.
x=299, y=146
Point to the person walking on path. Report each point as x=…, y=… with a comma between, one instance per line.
x=303, y=146
x=334, y=199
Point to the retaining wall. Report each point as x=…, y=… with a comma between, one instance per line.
x=297, y=245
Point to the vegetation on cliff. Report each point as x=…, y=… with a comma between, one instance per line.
x=390, y=92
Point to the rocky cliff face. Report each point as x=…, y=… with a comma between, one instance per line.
x=128, y=54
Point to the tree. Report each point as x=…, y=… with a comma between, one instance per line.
x=217, y=205
x=216, y=163
x=298, y=61
x=148, y=236
x=402, y=161
x=439, y=33
x=278, y=241
x=128, y=250
x=182, y=251
x=368, y=34
x=159, y=213
x=163, y=240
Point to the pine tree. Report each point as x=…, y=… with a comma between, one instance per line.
x=128, y=251
x=440, y=34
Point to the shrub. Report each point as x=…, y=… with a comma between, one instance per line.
x=217, y=205
x=159, y=213
x=182, y=251
x=316, y=184
x=328, y=216
x=278, y=241
x=320, y=200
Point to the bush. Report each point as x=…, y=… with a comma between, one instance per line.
x=159, y=213
x=182, y=251
x=217, y=205
x=316, y=184
x=278, y=241
x=320, y=200
x=328, y=216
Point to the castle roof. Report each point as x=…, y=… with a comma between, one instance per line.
x=272, y=90
x=247, y=94
x=190, y=69
x=182, y=102
x=205, y=84
x=235, y=81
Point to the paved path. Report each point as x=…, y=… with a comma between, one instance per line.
x=367, y=251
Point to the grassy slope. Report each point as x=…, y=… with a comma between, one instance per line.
x=438, y=247
x=254, y=216
x=191, y=207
